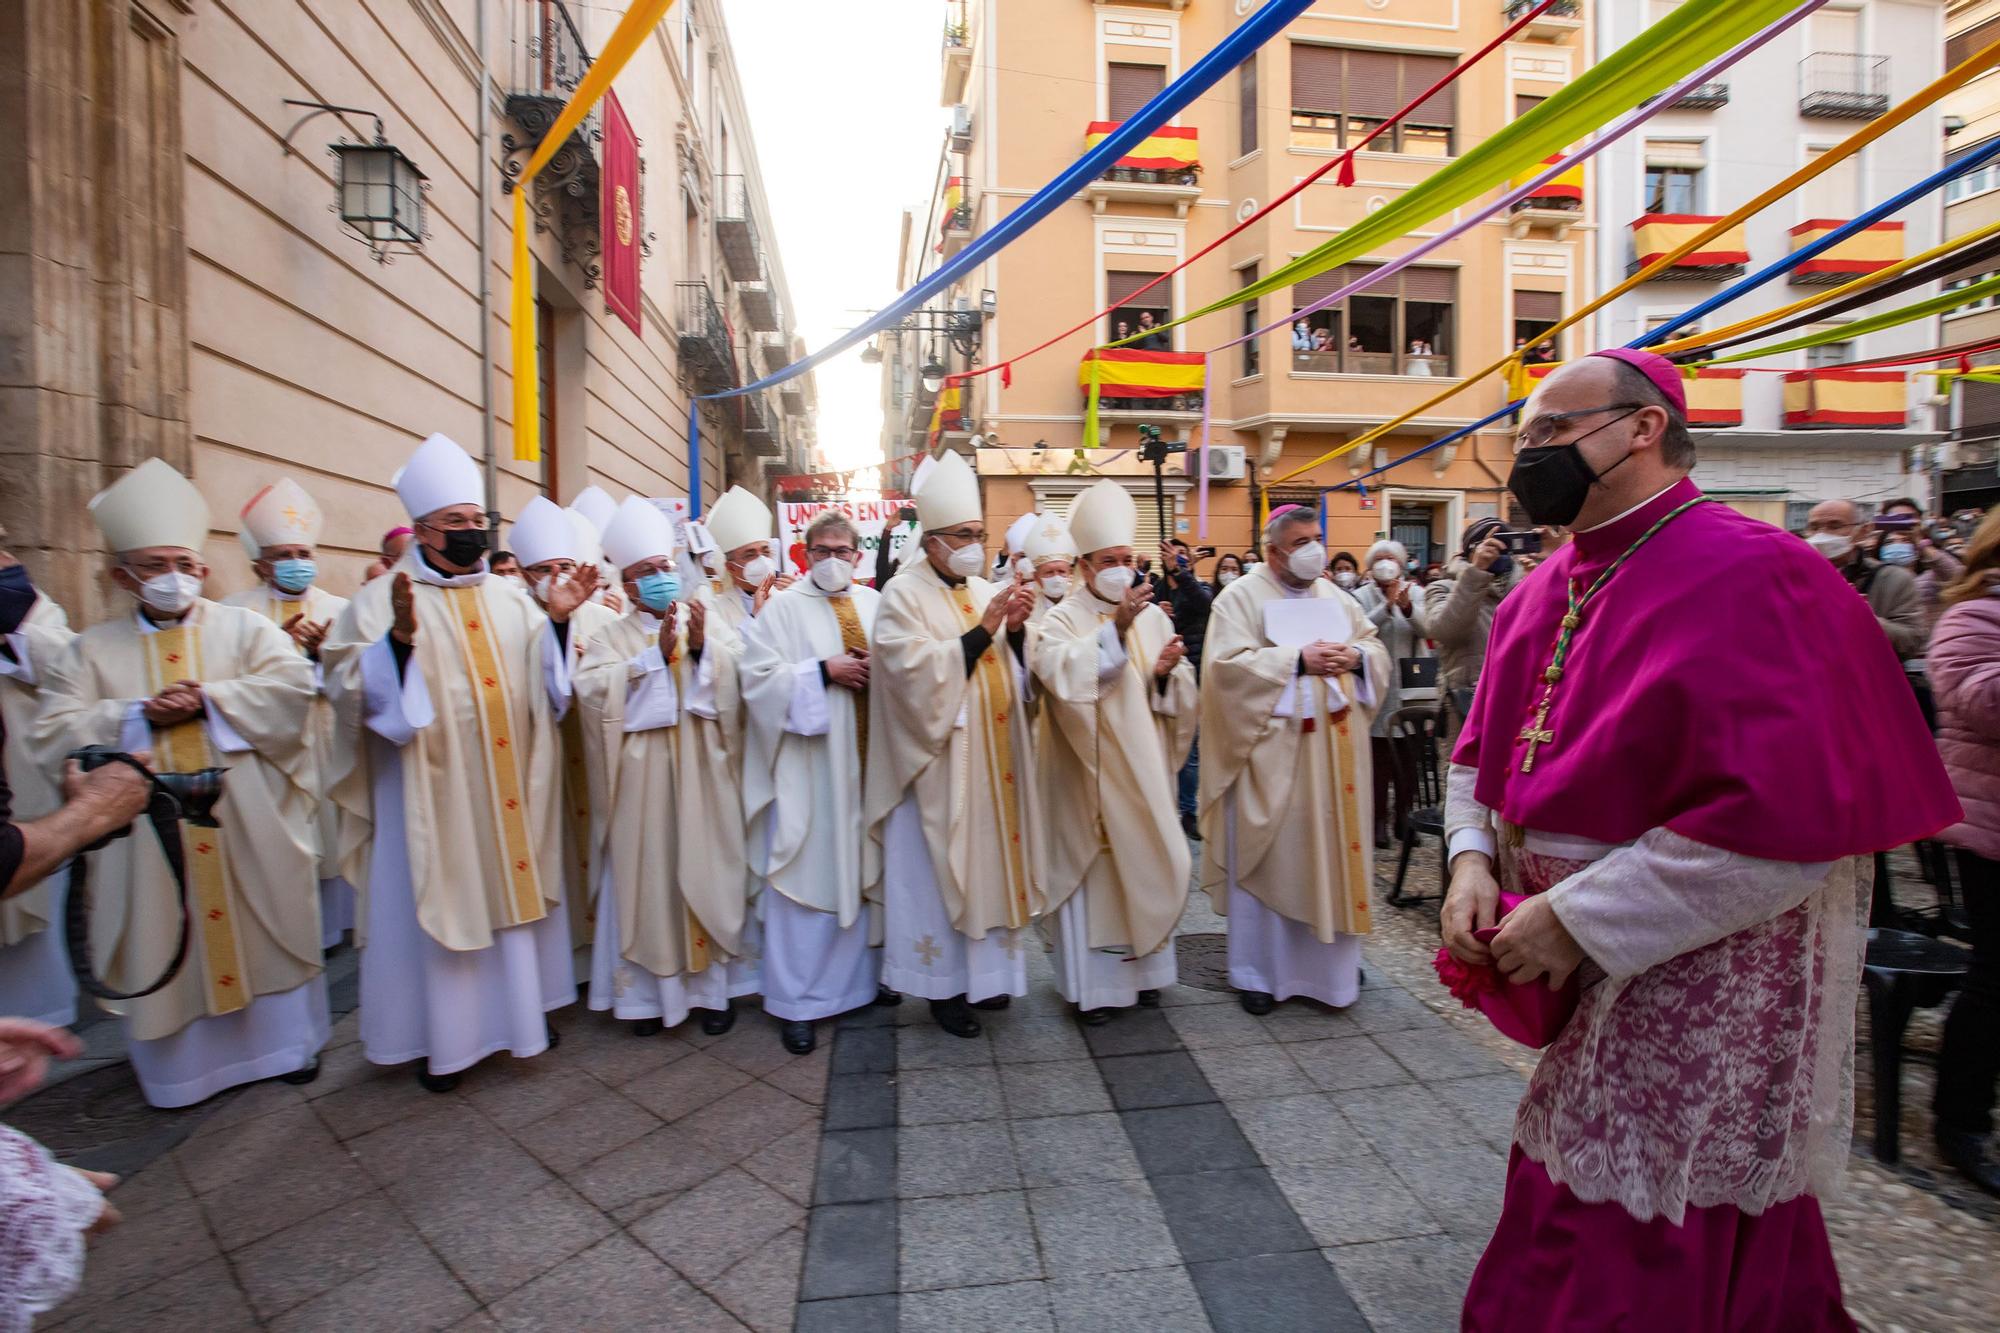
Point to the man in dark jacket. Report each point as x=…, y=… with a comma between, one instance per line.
x=1186, y=598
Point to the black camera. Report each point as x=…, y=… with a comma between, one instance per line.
x=193, y=795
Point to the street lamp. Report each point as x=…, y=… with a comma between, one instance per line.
x=933, y=374
x=871, y=355
x=380, y=197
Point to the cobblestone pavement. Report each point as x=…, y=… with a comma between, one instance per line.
x=1190, y=1167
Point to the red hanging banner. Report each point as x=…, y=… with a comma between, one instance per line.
x=618, y=215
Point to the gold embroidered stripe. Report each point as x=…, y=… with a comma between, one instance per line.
x=991, y=708
x=576, y=800
x=1347, y=766
x=503, y=759
x=853, y=639
x=171, y=655
x=699, y=955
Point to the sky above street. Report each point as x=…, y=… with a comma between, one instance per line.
x=844, y=110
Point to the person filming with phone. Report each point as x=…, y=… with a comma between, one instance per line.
x=1458, y=607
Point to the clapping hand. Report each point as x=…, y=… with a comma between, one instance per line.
x=1020, y=601
x=307, y=634
x=697, y=626
x=762, y=595
x=402, y=604
x=568, y=594
x=1170, y=657
x=669, y=628
x=1136, y=599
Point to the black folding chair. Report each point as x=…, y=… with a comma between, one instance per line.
x=1413, y=745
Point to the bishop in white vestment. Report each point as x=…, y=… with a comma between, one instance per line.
x=951, y=773
x=659, y=698
x=805, y=691
x=448, y=686
x=35, y=978
x=1118, y=708
x=200, y=685
x=1291, y=671
x=745, y=536
x=1051, y=555
x=280, y=533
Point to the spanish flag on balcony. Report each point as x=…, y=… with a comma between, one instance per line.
x=1168, y=148
x=1568, y=186
x=1123, y=372
x=949, y=412
x=1829, y=398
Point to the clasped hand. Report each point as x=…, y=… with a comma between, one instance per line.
x=1324, y=658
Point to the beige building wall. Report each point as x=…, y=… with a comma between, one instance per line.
x=178, y=284
x=1033, y=74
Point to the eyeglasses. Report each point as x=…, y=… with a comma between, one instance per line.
x=458, y=524
x=976, y=535
x=1543, y=430
x=832, y=552
x=645, y=567
x=147, y=569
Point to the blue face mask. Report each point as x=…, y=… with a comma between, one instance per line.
x=656, y=590
x=293, y=576
x=1899, y=553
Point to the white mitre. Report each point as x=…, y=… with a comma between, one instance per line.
x=281, y=514
x=1049, y=539
x=638, y=531
x=950, y=495
x=1017, y=533
x=1103, y=516
x=739, y=518
x=596, y=506
x=544, y=531
x=438, y=475
x=152, y=505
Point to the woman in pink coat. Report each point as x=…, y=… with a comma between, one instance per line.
x=1965, y=677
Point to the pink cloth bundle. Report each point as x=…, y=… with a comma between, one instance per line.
x=1532, y=1014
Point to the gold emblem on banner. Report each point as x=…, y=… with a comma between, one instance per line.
x=622, y=207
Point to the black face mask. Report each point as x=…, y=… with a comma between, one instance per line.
x=465, y=547
x=1553, y=481
x=17, y=597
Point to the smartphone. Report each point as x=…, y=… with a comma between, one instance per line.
x=1528, y=542
x=1145, y=568
x=1895, y=522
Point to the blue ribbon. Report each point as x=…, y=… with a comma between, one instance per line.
x=1936, y=180
x=1258, y=29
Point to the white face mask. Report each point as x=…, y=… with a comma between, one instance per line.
x=1024, y=566
x=1113, y=583
x=1309, y=562
x=966, y=561
x=1385, y=571
x=1055, y=587
x=1830, y=544
x=757, y=570
x=170, y=593
x=543, y=586
x=1226, y=577
x=832, y=574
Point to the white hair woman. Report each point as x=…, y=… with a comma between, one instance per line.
x=1389, y=594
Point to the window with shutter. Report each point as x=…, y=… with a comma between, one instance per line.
x=1130, y=87
x=1402, y=325
x=1340, y=96
x=1252, y=321
x=1246, y=105
x=1535, y=313
x=1958, y=49
x=1127, y=306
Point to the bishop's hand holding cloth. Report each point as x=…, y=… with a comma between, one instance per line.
x=1663, y=761
x=448, y=685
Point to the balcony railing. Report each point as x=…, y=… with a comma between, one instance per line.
x=1843, y=85
x=1655, y=234
x=1554, y=23
x=1834, y=399
x=1170, y=155
x=1130, y=380
x=1337, y=361
x=736, y=229
x=707, y=357
x=957, y=56
x=760, y=431
x=1867, y=251
x=548, y=60
x=1704, y=96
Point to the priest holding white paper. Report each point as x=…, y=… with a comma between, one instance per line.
x=1118, y=707
x=200, y=685
x=279, y=530
x=951, y=767
x=805, y=691
x=447, y=686
x=1291, y=672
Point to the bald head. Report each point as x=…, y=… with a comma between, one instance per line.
x=1833, y=515
x=1634, y=441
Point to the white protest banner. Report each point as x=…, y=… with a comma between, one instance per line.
x=870, y=518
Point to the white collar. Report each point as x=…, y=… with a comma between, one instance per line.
x=1634, y=509
x=420, y=570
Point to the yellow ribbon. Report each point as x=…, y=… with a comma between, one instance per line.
x=627, y=38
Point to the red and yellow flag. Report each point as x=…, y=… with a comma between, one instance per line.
x=1167, y=148
x=1123, y=372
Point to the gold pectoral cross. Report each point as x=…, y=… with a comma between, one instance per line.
x=1536, y=734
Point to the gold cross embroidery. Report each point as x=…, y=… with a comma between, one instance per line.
x=927, y=949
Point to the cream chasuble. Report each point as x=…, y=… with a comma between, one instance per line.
x=481, y=774
x=667, y=819
x=960, y=745
x=802, y=772
x=1107, y=747
x=317, y=606
x=253, y=883
x=1293, y=765
x=39, y=641
x=579, y=887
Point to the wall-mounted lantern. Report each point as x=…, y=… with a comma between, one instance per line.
x=380, y=195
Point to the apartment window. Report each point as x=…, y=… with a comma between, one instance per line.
x=545, y=376
x=1959, y=49
x=1673, y=175
x=1339, y=96
x=1832, y=193
x=1122, y=294
x=1535, y=313
x=1252, y=321
x=1400, y=326
x=1246, y=105
x=1129, y=87
x=1982, y=303
x=1972, y=182
x=1829, y=354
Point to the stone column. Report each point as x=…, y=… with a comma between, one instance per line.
x=93, y=271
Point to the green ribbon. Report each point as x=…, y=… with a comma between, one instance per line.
x=1888, y=319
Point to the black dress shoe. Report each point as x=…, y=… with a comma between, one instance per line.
x=886, y=997
x=1190, y=827
x=1093, y=1018
x=993, y=1002
x=715, y=1022
x=1966, y=1154
x=648, y=1027
x=298, y=1078
x=955, y=1017
x=1256, y=1001
x=555, y=1037
x=436, y=1082
x=798, y=1037
x=1381, y=841
x=1149, y=999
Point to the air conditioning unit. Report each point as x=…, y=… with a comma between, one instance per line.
x=1226, y=462
x=961, y=128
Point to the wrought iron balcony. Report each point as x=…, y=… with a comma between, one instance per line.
x=1655, y=234
x=1843, y=85
x=1835, y=398
x=760, y=304
x=547, y=63
x=760, y=430
x=707, y=358
x=736, y=229
x=1705, y=96
x=1554, y=23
